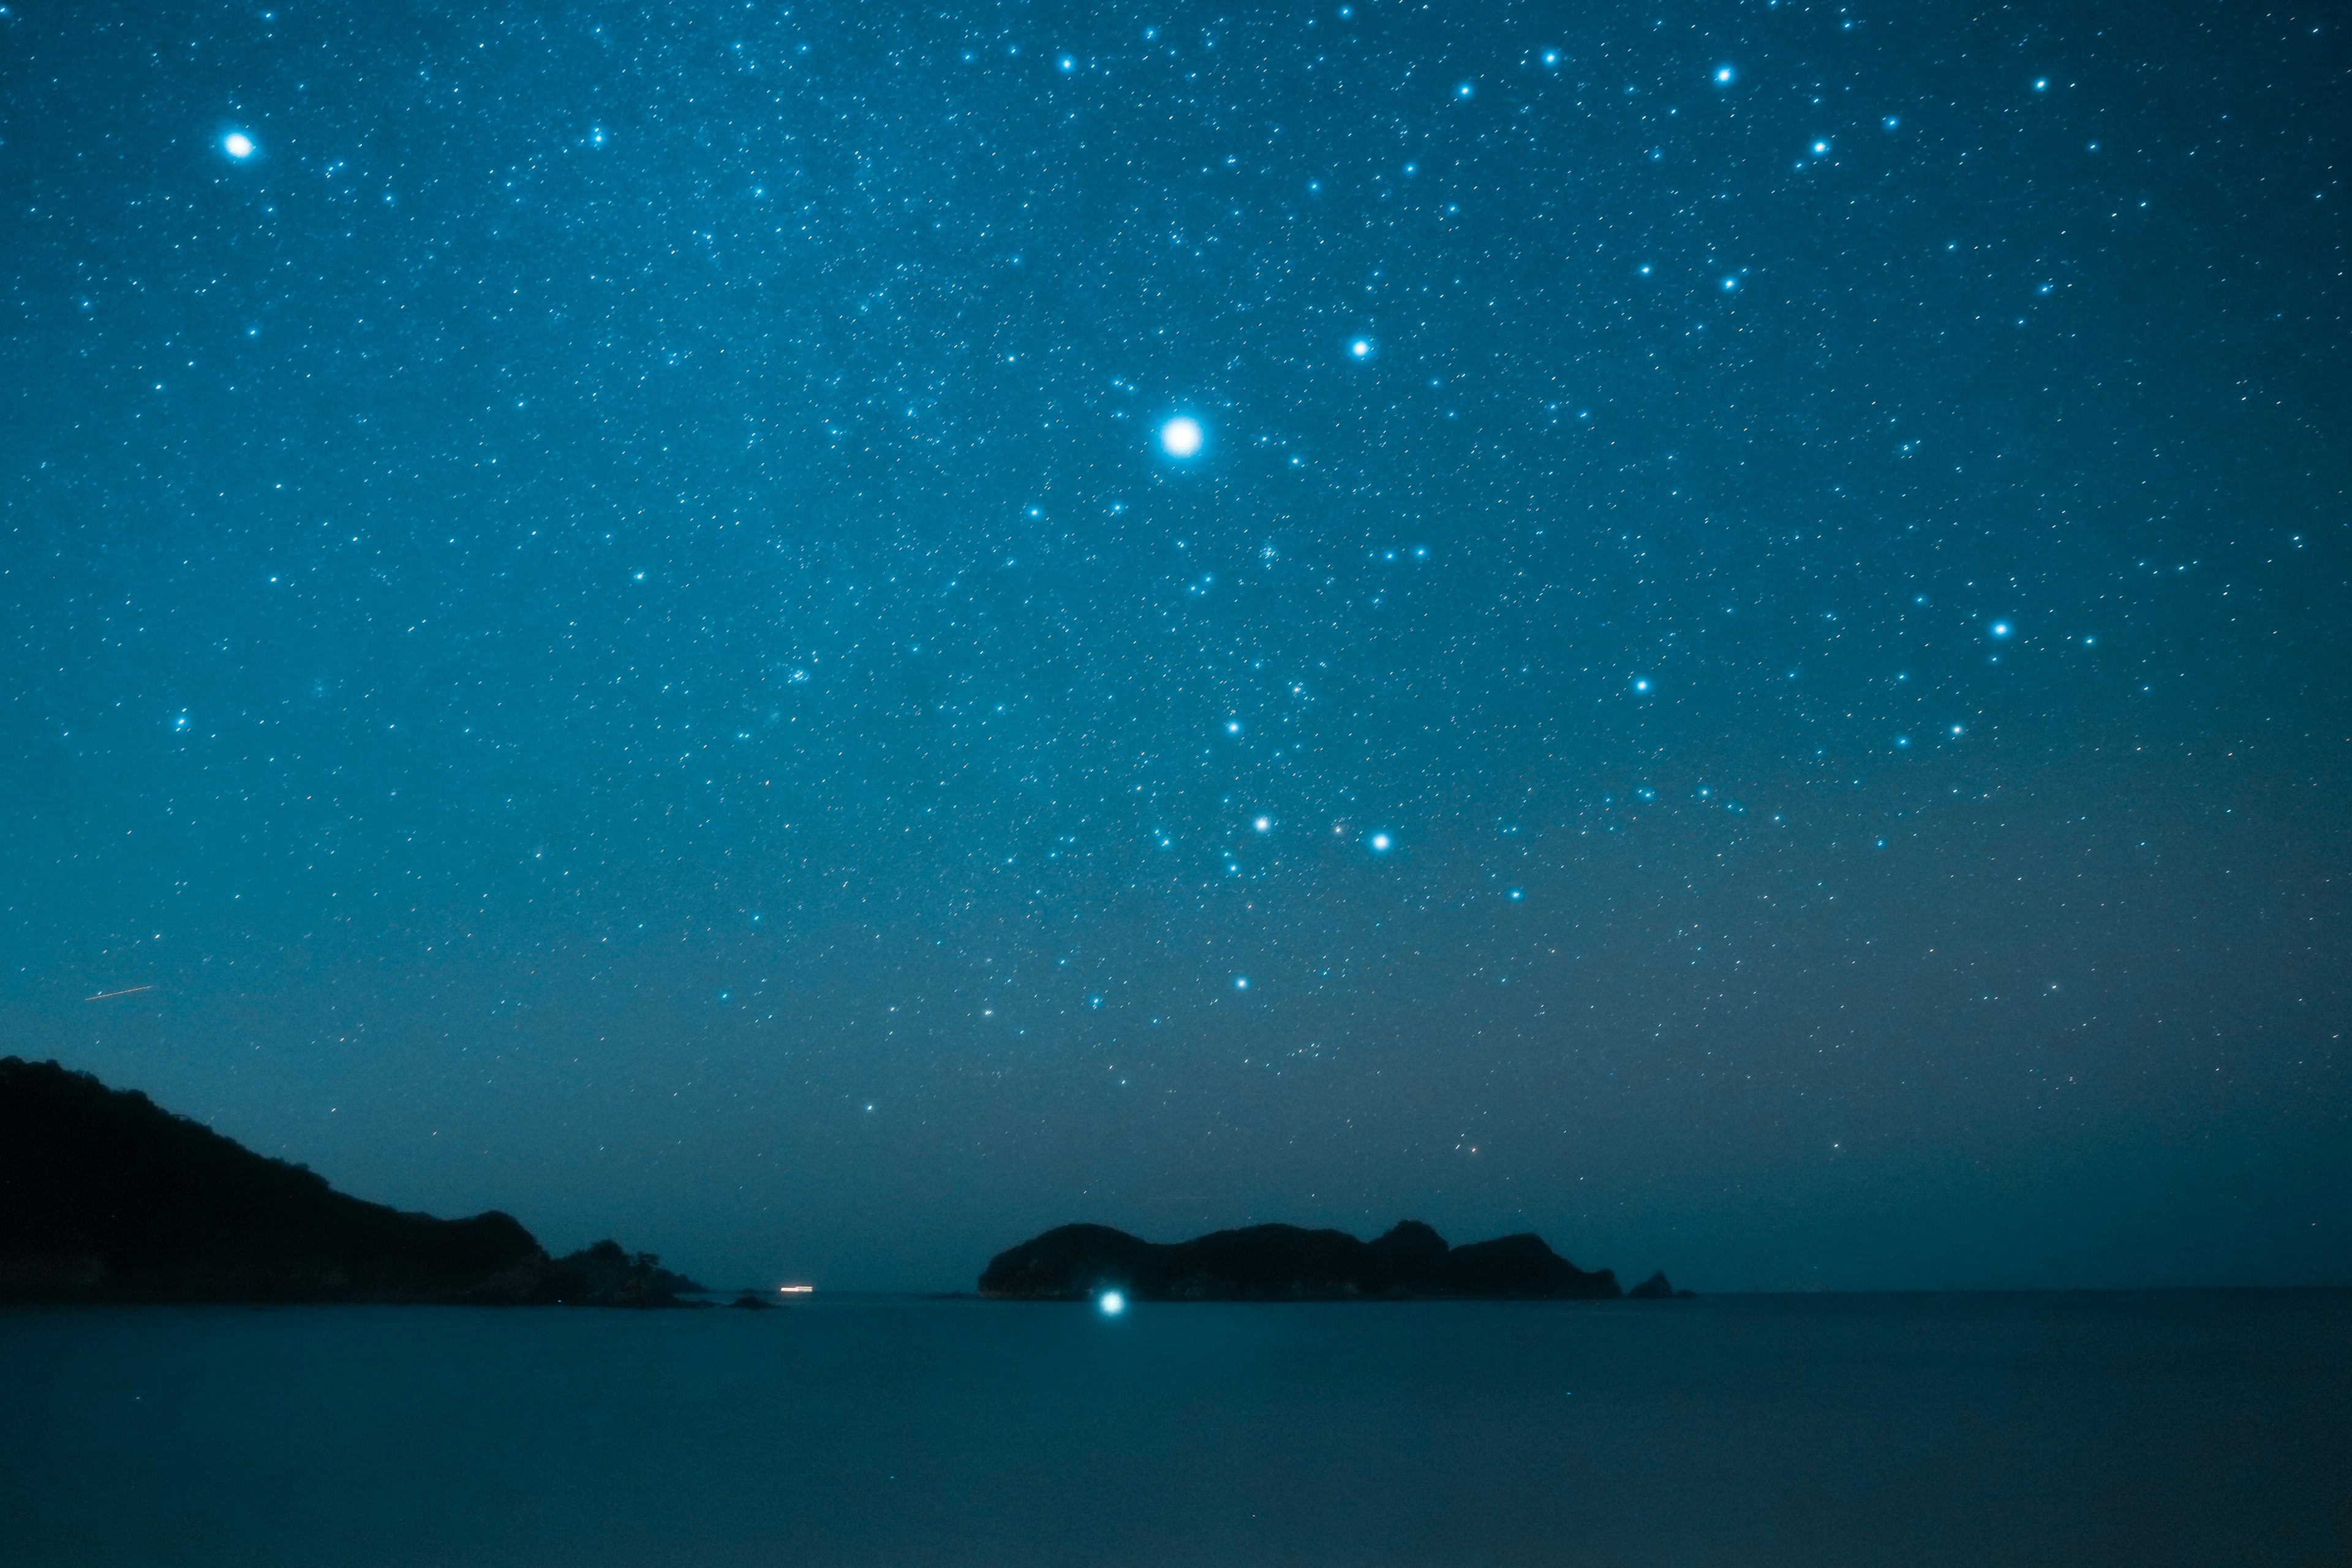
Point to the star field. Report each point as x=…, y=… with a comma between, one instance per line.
x=825, y=635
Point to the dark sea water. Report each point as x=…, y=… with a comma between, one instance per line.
x=2160, y=1428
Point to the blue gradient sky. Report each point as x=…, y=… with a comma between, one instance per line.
x=1747, y=672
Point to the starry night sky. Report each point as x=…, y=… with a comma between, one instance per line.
x=604, y=603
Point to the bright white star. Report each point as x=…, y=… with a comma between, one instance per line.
x=237, y=144
x=1180, y=437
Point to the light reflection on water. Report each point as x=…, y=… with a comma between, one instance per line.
x=1969, y=1428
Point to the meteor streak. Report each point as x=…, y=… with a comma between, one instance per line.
x=126, y=991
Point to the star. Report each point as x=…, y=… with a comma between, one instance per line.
x=1182, y=437
x=237, y=145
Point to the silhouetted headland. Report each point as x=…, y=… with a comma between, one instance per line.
x=106, y=1197
x=1285, y=1263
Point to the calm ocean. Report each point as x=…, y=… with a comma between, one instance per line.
x=2080, y=1429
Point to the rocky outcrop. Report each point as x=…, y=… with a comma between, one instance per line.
x=604, y=1275
x=106, y=1197
x=1285, y=1263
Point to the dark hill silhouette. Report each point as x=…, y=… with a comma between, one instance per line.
x=1285, y=1263
x=105, y=1195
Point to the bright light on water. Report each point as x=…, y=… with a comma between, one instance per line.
x=1180, y=437
x=1112, y=1303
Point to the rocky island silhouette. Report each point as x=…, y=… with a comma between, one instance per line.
x=106, y=1197
x=1286, y=1263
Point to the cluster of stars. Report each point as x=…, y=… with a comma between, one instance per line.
x=693, y=533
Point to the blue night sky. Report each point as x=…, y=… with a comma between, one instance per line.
x=818, y=635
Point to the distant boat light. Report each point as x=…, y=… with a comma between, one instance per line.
x=1112, y=1303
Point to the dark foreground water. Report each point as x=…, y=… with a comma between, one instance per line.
x=2174, y=1429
